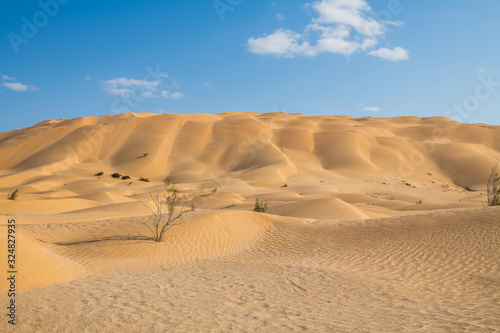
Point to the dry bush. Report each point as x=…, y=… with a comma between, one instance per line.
x=493, y=187
x=166, y=200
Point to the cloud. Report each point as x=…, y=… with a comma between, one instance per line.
x=371, y=108
x=396, y=54
x=7, y=78
x=17, y=86
x=349, y=13
x=148, y=94
x=339, y=26
x=123, y=86
x=281, y=42
x=280, y=16
x=175, y=95
x=88, y=77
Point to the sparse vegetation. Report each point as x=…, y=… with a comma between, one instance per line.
x=13, y=195
x=214, y=190
x=100, y=173
x=142, y=179
x=116, y=175
x=125, y=177
x=168, y=180
x=493, y=187
x=145, y=154
x=260, y=206
x=286, y=185
x=419, y=202
x=166, y=199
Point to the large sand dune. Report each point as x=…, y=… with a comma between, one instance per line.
x=373, y=224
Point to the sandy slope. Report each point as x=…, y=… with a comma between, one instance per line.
x=380, y=226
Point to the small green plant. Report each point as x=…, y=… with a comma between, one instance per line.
x=286, y=185
x=168, y=180
x=116, y=175
x=13, y=195
x=260, y=206
x=142, y=179
x=145, y=154
x=419, y=202
x=214, y=190
x=100, y=173
x=125, y=177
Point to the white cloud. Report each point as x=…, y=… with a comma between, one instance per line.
x=371, y=108
x=149, y=94
x=281, y=42
x=395, y=23
x=17, y=86
x=350, y=13
x=175, y=95
x=280, y=16
x=7, y=78
x=88, y=77
x=340, y=26
x=396, y=54
x=123, y=86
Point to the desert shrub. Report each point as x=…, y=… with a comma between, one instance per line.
x=116, y=175
x=145, y=154
x=165, y=200
x=493, y=187
x=13, y=195
x=100, y=173
x=142, y=179
x=214, y=190
x=286, y=185
x=125, y=177
x=419, y=202
x=168, y=180
x=260, y=206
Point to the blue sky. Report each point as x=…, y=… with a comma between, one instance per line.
x=72, y=58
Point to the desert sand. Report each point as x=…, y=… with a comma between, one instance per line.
x=373, y=225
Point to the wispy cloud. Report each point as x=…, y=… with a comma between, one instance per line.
x=88, y=77
x=123, y=86
x=340, y=26
x=7, y=78
x=175, y=95
x=396, y=54
x=372, y=108
x=280, y=16
x=142, y=88
x=18, y=86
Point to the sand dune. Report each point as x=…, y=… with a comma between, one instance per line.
x=373, y=224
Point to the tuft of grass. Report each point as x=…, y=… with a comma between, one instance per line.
x=125, y=177
x=260, y=206
x=116, y=175
x=100, y=173
x=168, y=180
x=13, y=195
x=214, y=190
x=142, y=179
x=419, y=202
